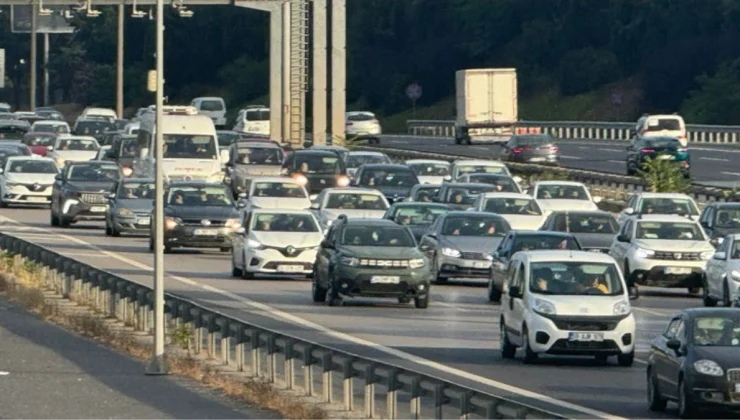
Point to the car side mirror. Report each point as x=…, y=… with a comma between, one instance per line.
x=720, y=255
x=241, y=205
x=515, y=291
x=623, y=238
x=314, y=206
x=58, y=177
x=629, y=211
x=327, y=244
x=448, y=178
x=674, y=344
x=111, y=196
x=597, y=199
x=243, y=195
x=50, y=148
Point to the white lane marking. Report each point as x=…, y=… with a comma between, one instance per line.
x=276, y=313
x=731, y=173
x=651, y=312
x=479, y=147
x=615, y=161
x=570, y=157
x=450, y=305
x=4, y=373
x=714, y=159
x=611, y=150
x=80, y=254
x=397, y=142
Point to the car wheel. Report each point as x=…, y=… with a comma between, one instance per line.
x=626, y=360
x=318, y=292
x=54, y=219
x=708, y=300
x=151, y=244
x=685, y=411
x=693, y=290
x=63, y=222
x=508, y=350
x=235, y=271
x=107, y=229
x=494, y=295
x=726, y=295
x=656, y=402
x=2, y=203
x=422, y=302
x=630, y=170
x=334, y=298
x=529, y=355
x=404, y=300
x=115, y=232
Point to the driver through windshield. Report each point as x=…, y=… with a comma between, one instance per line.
x=93, y=173
x=575, y=279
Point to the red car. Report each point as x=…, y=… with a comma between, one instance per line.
x=40, y=143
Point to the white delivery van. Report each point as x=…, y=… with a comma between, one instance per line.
x=213, y=107
x=486, y=104
x=98, y=112
x=254, y=121
x=190, y=150
x=662, y=126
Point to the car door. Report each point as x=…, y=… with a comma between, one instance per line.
x=325, y=256
x=630, y=155
x=631, y=204
x=674, y=360
x=57, y=188
x=516, y=304
x=506, y=304
x=660, y=355
x=706, y=220
x=717, y=267
x=237, y=250
x=619, y=249
x=429, y=242
x=113, y=202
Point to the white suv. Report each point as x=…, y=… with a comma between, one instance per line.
x=659, y=203
x=566, y=303
x=662, y=251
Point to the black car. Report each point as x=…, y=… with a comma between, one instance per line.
x=13, y=129
x=462, y=195
x=719, y=220
x=394, y=181
x=523, y=240
x=424, y=193
x=595, y=230
x=80, y=191
x=696, y=363
x=18, y=147
x=531, y=148
x=316, y=169
x=120, y=124
x=92, y=126
x=250, y=159
x=123, y=151
x=49, y=114
x=670, y=148
x=416, y=216
x=198, y=215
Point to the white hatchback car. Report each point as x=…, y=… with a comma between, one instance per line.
x=363, y=125
x=566, y=303
x=469, y=166
x=282, y=242
x=659, y=203
x=353, y=202
x=27, y=180
x=276, y=192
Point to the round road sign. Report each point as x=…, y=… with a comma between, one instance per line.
x=413, y=91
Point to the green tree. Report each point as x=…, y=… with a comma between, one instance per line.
x=664, y=176
x=717, y=99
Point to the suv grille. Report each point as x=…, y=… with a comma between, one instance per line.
x=364, y=262
x=475, y=256
x=676, y=256
x=733, y=375
x=89, y=198
x=199, y=222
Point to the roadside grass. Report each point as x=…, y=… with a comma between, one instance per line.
x=23, y=285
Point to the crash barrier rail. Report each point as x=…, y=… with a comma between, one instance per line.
x=240, y=345
x=613, y=187
x=590, y=130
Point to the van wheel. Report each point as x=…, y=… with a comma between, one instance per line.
x=318, y=293
x=708, y=300
x=54, y=219
x=508, y=351
x=422, y=302
x=626, y=360
x=530, y=357
x=656, y=402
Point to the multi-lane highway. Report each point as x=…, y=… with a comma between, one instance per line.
x=456, y=338
x=711, y=165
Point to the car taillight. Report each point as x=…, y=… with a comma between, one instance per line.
x=685, y=164
x=646, y=150
x=342, y=181
x=554, y=148
x=300, y=179
x=516, y=150
x=683, y=149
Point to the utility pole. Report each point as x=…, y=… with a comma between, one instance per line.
x=157, y=364
x=119, y=63
x=46, y=69
x=319, y=72
x=338, y=70
x=286, y=75
x=32, y=81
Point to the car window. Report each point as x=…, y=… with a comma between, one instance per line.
x=278, y=189
x=211, y=105
x=282, y=222
x=363, y=116
x=542, y=241
x=515, y=206
x=660, y=205
x=465, y=194
x=259, y=156
x=717, y=330
x=355, y=161
x=199, y=196
x=136, y=191
x=257, y=115
x=660, y=124
x=670, y=331
x=728, y=217
x=93, y=173
x=388, y=177
x=575, y=278
x=418, y=215
x=474, y=169
x=32, y=167
x=77, y=145
x=377, y=236
x=592, y=223
x=735, y=249
x=426, y=194
x=430, y=169
x=562, y=192
x=669, y=231
x=355, y=201
x=309, y=163
x=502, y=183
x=475, y=225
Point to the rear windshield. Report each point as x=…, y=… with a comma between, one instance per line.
x=259, y=156
x=355, y=201
x=543, y=242
x=33, y=167
x=477, y=169
x=211, y=105
x=50, y=128
x=562, y=192
x=78, y=144
x=226, y=139
x=129, y=148
x=94, y=127
x=388, y=178
x=530, y=140
x=680, y=206
x=258, y=115
x=475, y=225
x=663, y=143
x=430, y=169
x=318, y=164
x=518, y=206
x=361, y=117
x=278, y=189
x=502, y=183
x=12, y=132
x=589, y=223
x=355, y=161
x=378, y=236
x=426, y=194
x=660, y=124
x=39, y=140
x=466, y=195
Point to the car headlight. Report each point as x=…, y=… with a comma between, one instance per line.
x=706, y=255
x=216, y=177
x=125, y=212
x=735, y=275
x=342, y=181
x=300, y=179
x=171, y=223
x=708, y=367
x=621, y=308
x=350, y=261
x=416, y=263
x=644, y=253
x=451, y=252
x=251, y=243
x=234, y=224
x=328, y=222
x=544, y=307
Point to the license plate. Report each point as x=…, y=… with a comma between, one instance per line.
x=584, y=336
x=290, y=268
x=100, y=209
x=481, y=264
x=144, y=220
x=537, y=159
x=385, y=280
x=666, y=157
x=205, y=232
x=677, y=270
x=37, y=199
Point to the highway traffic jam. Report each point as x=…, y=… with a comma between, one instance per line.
x=563, y=273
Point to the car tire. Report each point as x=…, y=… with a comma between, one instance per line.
x=708, y=300
x=115, y=232
x=2, y=203
x=333, y=296
x=726, y=301
x=422, y=302
x=404, y=300
x=693, y=290
x=224, y=249
x=151, y=244
x=63, y=222
x=530, y=357
x=318, y=293
x=656, y=402
x=494, y=295
x=107, y=229
x=685, y=410
x=53, y=219
x=508, y=350
x=235, y=271
x=626, y=360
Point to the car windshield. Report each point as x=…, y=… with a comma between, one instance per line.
x=136, y=191
x=475, y=225
x=728, y=217
x=660, y=124
x=680, y=206
x=355, y=201
x=77, y=145
x=430, y=169
x=575, y=278
x=32, y=167
x=278, y=189
x=355, y=161
x=189, y=146
x=591, y=223
x=226, y=139
x=52, y=115
x=669, y=231
x=663, y=143
x=717, y=330
x=284, y=222
x=12, y=131
x=543, y=241
x=310, y=163
x=39, y=140
x=93, y=173
x=418, y=215
x=5, y=154
x=562, y=192
x=6, y=116
x=259, y=156
x=388, y=178
x=378, y=236
x=530, y=141
x=477, y=169
x=426, y=194
x=129, y=148
x=200, y=197
x=466, y=195
x=516, y=206
x=89, y=128
x=502, y=183
x=50, y=128
x=364, y=116
x=211, y=105
x=258, y=115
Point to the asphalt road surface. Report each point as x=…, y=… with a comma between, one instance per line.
x=457, y=338
x=49, y=373
x=712, y=165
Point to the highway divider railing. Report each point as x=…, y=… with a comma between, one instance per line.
x=254, y=350
x=613, y=187
x=592, y=130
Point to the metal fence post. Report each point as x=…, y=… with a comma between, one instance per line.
x=272, y=351
x=254, y=341
x=416, y=392
x=289, y=367
x=327, y=365
x=370, y=391
x=439, y=400
x=308, y=362
x=348, y=373
x=392, y=396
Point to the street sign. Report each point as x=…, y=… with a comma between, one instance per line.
x=413, y=91
x=58, y=22
x=2, y=68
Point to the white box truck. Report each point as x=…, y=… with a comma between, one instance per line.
x=486, y=105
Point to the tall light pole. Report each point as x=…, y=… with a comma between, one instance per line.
x=119, y=63
x=32, y=82
x=157, y=365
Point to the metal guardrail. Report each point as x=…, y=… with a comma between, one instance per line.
x=238, y=344
x=609, y=186
x=591, y=130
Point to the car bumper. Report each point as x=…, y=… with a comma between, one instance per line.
x=544, y=159
x=463, y=267
x=546, y=337
x=75, y=210
x=24, y=197
x=132, y=224
x=272, y=261
x=187, y=237
x=656, y=273
x=713, y=393
x=360, y=283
